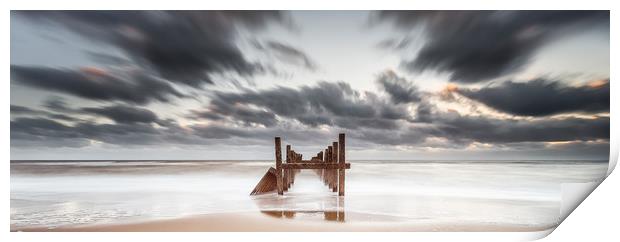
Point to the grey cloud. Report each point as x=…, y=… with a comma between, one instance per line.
x=96, y=84
x=17, y=110
x=474, y=46
x=45, y=132
x=491, y=130
x=219, y=110
x=41, y=132
x=292, y=54
x=542, y=97
x=399, y=89
x=325, y=103
x=124, y=114
x=184, y=46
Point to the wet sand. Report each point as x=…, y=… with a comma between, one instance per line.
x=278, y=222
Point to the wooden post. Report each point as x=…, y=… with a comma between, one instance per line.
x=289, y=160
x=285, y=172
x=335, y=172
x=279, y=182
x=341, y=160
x=329, y=174
x=325, y=171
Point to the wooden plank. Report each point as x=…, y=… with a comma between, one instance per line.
x=279, y=166
x=341, y=160
x=309, y=165
x=266, y=184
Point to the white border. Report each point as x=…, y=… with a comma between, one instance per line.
x=565, y=232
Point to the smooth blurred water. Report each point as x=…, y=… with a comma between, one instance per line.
x=523, y=193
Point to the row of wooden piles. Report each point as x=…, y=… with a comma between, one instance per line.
x=331, y=177
x=288, y=175
x=329, y=164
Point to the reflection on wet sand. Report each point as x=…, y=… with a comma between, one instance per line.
x=327, y=215
x=330, y=207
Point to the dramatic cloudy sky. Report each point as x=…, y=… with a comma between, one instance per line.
x=221, y=85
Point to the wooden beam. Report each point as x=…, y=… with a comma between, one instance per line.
x=312, y=165
x=279, y=181
x=341, y=161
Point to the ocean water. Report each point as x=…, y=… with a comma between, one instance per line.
x=511, y=193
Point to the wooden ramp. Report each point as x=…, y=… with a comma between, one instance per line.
x=328, y=164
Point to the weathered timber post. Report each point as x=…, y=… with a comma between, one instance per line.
x=323, y=170
x=289, y=160
x=285, y=172
x=335, y=171
x=341, y=162
x=330, y=160
x=279, y=182
x=330, y=151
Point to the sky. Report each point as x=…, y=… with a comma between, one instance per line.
x=219, y=85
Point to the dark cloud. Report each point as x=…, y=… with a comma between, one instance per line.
x=17, y=110
x=474, y=46
x=399, y=89
x=542, y=97
x=183, y=46
x=233, y=112
x=288, y=54
x=124, y=114
x=42, y=132
x=45, y=132
x=58, y=104
x=96, y=84
x=326, y=103
x=455, y=127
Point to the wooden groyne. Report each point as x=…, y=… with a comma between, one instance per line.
x=329, y=165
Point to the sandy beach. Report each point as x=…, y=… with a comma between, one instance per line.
x=261, y=222
x=185, y=196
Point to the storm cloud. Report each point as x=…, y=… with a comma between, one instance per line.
x=399, y=89
x=475, y=46
x=182, y=46
x=542, y=97
x=124, y=114
x=96, y=84
x=492, y=130
x=326, y=103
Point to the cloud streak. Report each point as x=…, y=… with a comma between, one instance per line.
x=476, y=46
x=96, y=84
x=182, y=46
x=542, y=97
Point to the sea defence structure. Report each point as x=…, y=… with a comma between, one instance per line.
x=328, y=164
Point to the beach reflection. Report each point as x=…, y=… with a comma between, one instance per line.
x=329, y=213
x=338, y=216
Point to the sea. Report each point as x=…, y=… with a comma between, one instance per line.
x=512, y=193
